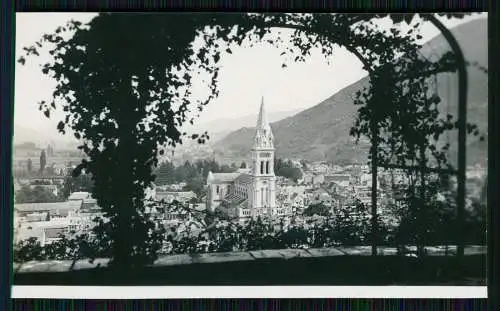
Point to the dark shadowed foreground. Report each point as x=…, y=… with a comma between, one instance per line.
x=333, y=266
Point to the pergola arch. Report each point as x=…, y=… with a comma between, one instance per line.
x=351, y=45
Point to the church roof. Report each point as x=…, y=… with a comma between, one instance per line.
x=223, y=177
x=244, y=179
x=233, y=198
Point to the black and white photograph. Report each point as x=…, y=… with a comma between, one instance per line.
x=329, y=150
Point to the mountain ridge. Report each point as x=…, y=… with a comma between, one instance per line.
x=329, y=138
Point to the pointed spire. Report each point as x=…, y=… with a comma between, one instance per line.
x=262, y=122
x=263, y=138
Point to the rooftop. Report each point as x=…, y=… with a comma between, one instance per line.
x=54, y=232
x=222, y=177
x=40, y=207
x=79, y=196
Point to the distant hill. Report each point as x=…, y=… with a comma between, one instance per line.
x=322, y=132
x=219, y=128
x=42, y=137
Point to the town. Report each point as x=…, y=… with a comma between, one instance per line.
x=50, y=203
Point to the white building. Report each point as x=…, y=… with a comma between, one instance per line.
x=79, y=196
x=248, y=193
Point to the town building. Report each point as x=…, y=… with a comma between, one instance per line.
x=342, y=180
x=57, y=209
x=248, y=193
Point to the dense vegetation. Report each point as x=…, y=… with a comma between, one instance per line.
x=36, y=194
x=168, y=173
x=287, y=169
x=348, y=227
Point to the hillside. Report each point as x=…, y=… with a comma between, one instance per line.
x=322, y=132
x=219, y=128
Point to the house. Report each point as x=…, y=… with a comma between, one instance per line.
x=60, y=209
x=318, y=179
x=179, y=196
x=52, y=234
x=49, y=188
x=321, y=196
x=45, y=231
x=34, y=217
x=307, y=178
x=343, y=180
x=79, y=196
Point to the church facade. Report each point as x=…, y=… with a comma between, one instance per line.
x=248, y=193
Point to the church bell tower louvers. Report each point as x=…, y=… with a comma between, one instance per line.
x=264, y=180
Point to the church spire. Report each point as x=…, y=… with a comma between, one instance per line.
x=263, y=133
x=262, y=122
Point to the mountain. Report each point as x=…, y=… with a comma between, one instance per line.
x=322, y=132
x=42, y=137
x=219, y=128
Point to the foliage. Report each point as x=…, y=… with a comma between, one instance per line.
x=167, y=173
x=348, y=227
x=29, y=166
x=72, y=184
x=124, y=83
x=197, y=185
x=286, y=169
x=27, y=250
x=43, y=161
x=37, y=194
x=317, y=209
x=404, y=124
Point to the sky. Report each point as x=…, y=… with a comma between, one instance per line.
x=246, y=75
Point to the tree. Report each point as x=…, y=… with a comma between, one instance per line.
x=29, y=166
x=317, y=209
x=286, y=169
x=197, y=185
x=27, y=250
x=50, y=151
x=72, y=184
x=352, y=224
x=43, y=161
x=138, y=82
x=51, y=170
x=36, y=195
x=165, y=173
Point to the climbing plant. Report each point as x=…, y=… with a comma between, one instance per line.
x=124, y=84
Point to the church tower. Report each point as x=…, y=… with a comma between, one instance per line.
x=263, y=198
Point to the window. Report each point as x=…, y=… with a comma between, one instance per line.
x=262, y=167
x=267, y=167
x=217, y=189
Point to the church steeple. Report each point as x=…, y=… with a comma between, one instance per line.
x=262, y=122
x=264, y=189
x=263, y=134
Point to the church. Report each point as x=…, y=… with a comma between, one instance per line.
x=248, y=193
